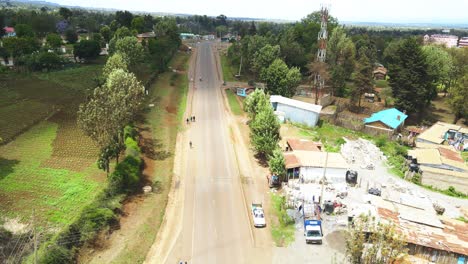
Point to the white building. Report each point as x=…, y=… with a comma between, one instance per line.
x=296, y=111
x=310, y=166
x=463, y=43
x=449, y=41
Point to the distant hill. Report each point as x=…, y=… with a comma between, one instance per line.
x=441, y=25
x=407, y=25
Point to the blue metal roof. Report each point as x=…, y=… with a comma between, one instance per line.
x=388, y=116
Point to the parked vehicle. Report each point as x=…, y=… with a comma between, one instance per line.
x=312, y=224
x=273, y=180
x=258, y=215
x=313, y=231
x=375, y=191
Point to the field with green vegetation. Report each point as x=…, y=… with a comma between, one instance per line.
x=46, y=162
x=283, y=228
x=234, y=103
x=36, y=173
x=30, y=98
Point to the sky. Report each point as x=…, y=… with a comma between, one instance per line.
x=396, y=11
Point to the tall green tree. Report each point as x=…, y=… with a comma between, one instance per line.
x=439, y=64
x=264, y=57
x=363, y=79
x=24, y=31
x=254, y=102
x=277, y=163
x=65, y=13
x=138, y=24
x=252, y=29
x=114, y=62
x=71, y=36
x=17, y=47
x=109, y=110
x=54, y=40
x=412, y=85
x=131, y=50
x=281, y=80
x=124, y=18
x=458, y=99
x=106, y=33
x=87, y=49
x=341, y=59
x=264, y=131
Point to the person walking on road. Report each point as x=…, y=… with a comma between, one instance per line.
x=190, y=143
x=187, y=120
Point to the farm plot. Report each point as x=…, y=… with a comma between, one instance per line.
x=28, y=181
x=29, y=99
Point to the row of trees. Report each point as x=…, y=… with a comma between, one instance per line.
x=282, y=56
x=265, y=131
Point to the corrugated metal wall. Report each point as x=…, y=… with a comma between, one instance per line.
x=298, y=115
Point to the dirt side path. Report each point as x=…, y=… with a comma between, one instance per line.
x=172, y=221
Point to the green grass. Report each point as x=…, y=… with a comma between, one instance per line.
x=331, y=136
x=25, y=183
x=229, y=70
x=233, y=102
x=284, y=229
x=381, y=83
x=77, y=78
x=463, y=219
x=465, y=156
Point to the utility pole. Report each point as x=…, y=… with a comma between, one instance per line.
x=240, y=66
x=323, y=179
x=34, y=235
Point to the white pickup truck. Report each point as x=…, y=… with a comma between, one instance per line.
x=258, y=215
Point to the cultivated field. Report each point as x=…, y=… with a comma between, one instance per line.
x=48, y=164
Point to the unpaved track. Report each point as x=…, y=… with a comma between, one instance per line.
x=210, y=222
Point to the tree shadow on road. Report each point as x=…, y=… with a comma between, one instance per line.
x=7, y=167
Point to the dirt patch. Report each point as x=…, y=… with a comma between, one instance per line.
x=171, y=109
x=15, y=226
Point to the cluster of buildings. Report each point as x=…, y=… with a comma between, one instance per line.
x=450, y=41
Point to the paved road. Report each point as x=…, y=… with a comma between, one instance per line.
x=215, y=223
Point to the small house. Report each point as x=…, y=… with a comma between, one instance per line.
x=389, y=119
x=244, y=91
x=9, y=32
x=145, y=36
x=441, y=132
x=302, y=144
x=380, y=73
x=310, y=165
x=295, y=111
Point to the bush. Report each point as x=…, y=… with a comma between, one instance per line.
x=57, y=255
x=126, y=175
x=381, y=141
x=87, y=49
x=42, y=61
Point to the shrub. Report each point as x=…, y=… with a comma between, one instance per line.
x=126, y=175
x=381, y=141
x=42, y=61
x=86, y=49
x=57, y=255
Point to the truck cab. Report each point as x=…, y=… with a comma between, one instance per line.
x=313, y=231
